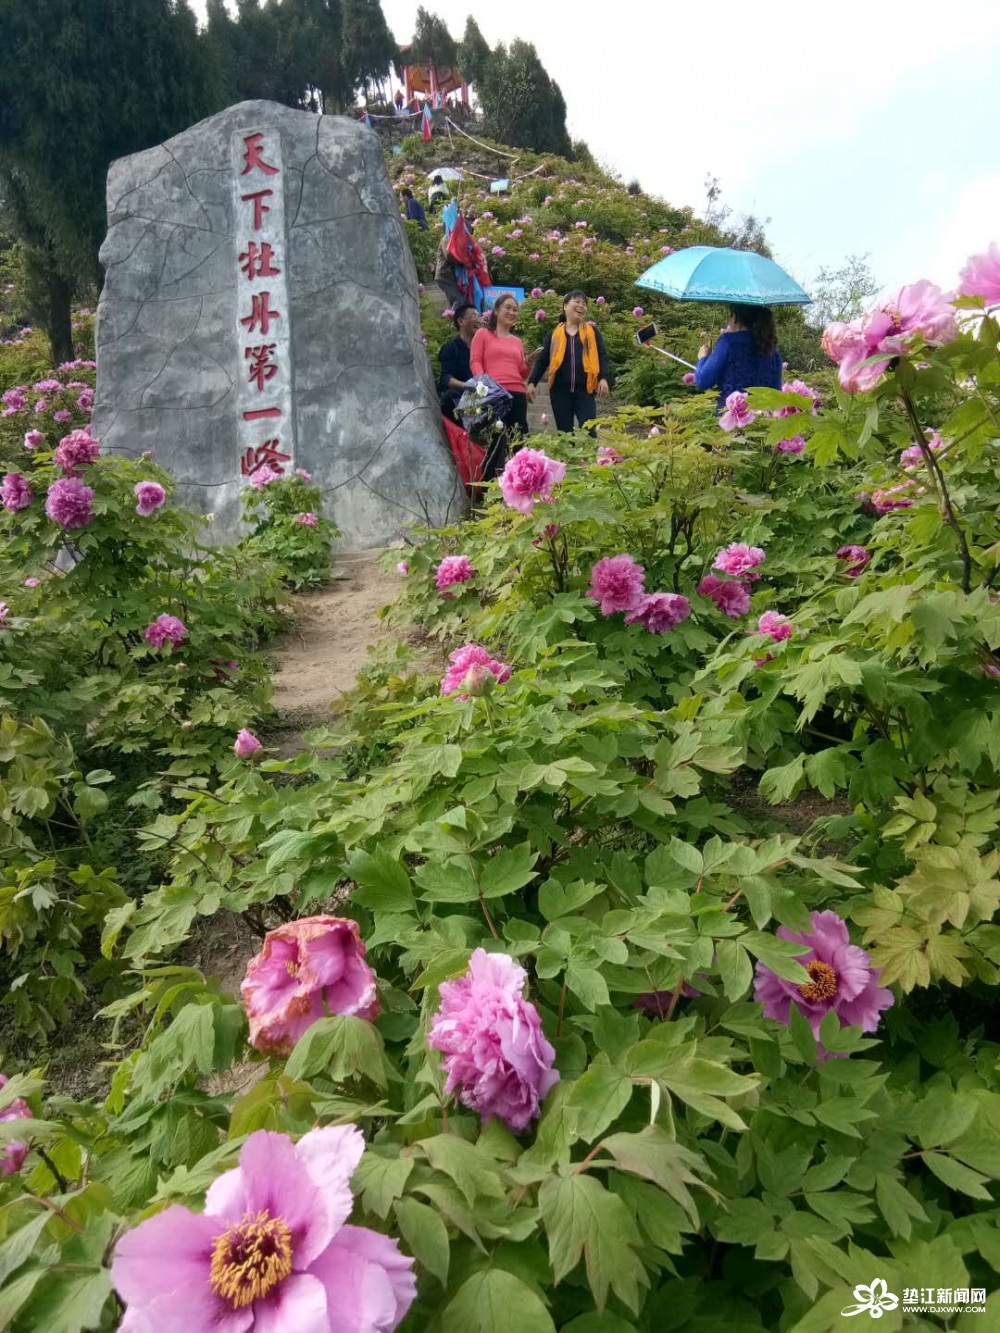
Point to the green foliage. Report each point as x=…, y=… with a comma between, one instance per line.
x=521, y=103
x=281, y=534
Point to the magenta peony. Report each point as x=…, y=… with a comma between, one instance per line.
x=913, y=456
x=731, y=597
x=76, y=450
x=306, y=970
x=536, y=291
x=529, y=477
x=738, y=412
x=737, y=558
x=31, y=583
x=776, y=627
x=688, y=377
x=601, y=300
x=660, y=612
x=149, y=495
x=14, y=1151
x=638, y=311
x=403, y=568
x=246, y=743
x=843, y=980
x=616, y=583
x=307, y=519
x=463, y=660
x=165, y=629
x=495, y=1054
x=608, y=455
x=306, y=476
x=794, y=445
x=16, y=493
x=453, y=569
x=14, y=400
x=271, y=1251
x=921, y=310
x=4, y=612
x=62, y=416
x=981, y=275
x=69, y=503
x=33, y=438
x=859, y=556
x=263, y=476
x=883, y=501
x=47, y=386
x=540, y=314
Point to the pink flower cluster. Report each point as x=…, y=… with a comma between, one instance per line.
x=271, y=1251
x=306, y=970
x=495, y=1053
x=33, y=438
x=617, y=584
x=893, y=498
x=858, y=558
x=842, y=979
x=794, y=445
x=149, y=496
x=307, y=519
x=263, y=476
x=453, y=569
x=75, y=450
x=608, y=455
x=529, y=477
x=468, y=670
x=730, y=596
x=738, y=412
x=776, y=627
x=165, y=629
x=16, y=493
x=920, y=311
x=738, y=559
x=913, y=456
x=69, y=503
x=15, y=1150
x=659, y=612
x=981, y=275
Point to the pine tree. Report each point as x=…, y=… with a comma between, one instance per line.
x=521, y=104
x=432, y=43
x=368, y=46
x=474, y=53
x=62, y=122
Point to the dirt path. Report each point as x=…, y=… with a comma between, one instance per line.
x=318, y=660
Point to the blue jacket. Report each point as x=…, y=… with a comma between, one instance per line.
x=735, y=364
x=415, y=213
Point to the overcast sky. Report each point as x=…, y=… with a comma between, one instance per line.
x=854, y=127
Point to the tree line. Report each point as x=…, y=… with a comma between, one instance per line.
x=84, y=82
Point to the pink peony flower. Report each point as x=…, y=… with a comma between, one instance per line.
x=69, y=503
x=307, y=969
x=453, y=569
x=529, y=477
x=498, y=250
x=688, y=377
x=607, y=456
x=732, y=598
x=738, y=557
x=4, y=612
x=307, y=519
x=495, y=1053
x=62, y=416
x=777, y=627
x=32, y=439
x=47, y=386
x=913, y=456
x=884, y=501
x=271, y=1251
x=16, y=399
x=41, y=405
x=14, y=1151
x=517, y=233
x=16, y=493
x=738, y=412
x=794, y=445
x=803, y=389
x=149, y=495
x=263, y=476
x=535, y=258
x=540, y=314
x=165, y=629
x=616, y=583
x=921, y=310
x=601, y=300
x=447, y=314
x=306, y=476
x=638, y=311
x=843, y=980
x=31, y=583
x=536, y=291
x=981, y=275
x=660, y=612
x=75, y=450
x=545, y=418
x=463, y=660
x=246, y=744
x=403, y=568
x=859, y=556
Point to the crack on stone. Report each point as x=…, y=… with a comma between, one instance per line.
x=187, y=185
x=182, y=277
x=142, y=184
x=125, y=258
x=423, y=407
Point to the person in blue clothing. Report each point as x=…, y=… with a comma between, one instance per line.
x=745, y=357
x=414, y=210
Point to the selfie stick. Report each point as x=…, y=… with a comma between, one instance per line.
x=679, y=359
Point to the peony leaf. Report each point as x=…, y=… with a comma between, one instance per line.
x=426, y=1236
x=496, y=1302
x=582, y=1218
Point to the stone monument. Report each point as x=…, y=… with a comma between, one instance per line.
x=260, y=306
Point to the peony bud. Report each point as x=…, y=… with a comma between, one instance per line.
x=478, y=680
x=187, y=726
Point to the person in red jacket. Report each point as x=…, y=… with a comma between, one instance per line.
x=498, y=352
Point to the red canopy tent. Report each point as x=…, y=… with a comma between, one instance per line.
x=428, y=80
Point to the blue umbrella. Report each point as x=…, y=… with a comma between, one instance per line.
x=712, y=273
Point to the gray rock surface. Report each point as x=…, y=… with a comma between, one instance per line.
x=350, y=377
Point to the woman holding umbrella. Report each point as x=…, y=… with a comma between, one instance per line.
x=745, y=357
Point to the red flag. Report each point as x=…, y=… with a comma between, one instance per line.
x=427, y=124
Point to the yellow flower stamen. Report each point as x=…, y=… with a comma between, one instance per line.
x=824, y=982
x=250, y=1258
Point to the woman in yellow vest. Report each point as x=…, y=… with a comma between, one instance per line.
x=577, y=364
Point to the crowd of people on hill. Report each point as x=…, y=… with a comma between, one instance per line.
x=486, y=350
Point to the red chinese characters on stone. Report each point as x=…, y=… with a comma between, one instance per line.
x=259, y=207
x=253, y=156
x=263, y=366
x=268, y=452
x=261, y=314
x=256, y=261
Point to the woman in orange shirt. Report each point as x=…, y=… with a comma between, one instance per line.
x=498, y=352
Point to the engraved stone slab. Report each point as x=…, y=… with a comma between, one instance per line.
x=260, y=305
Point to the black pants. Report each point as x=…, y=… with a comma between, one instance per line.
x=498, y=444
x=570, y=403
